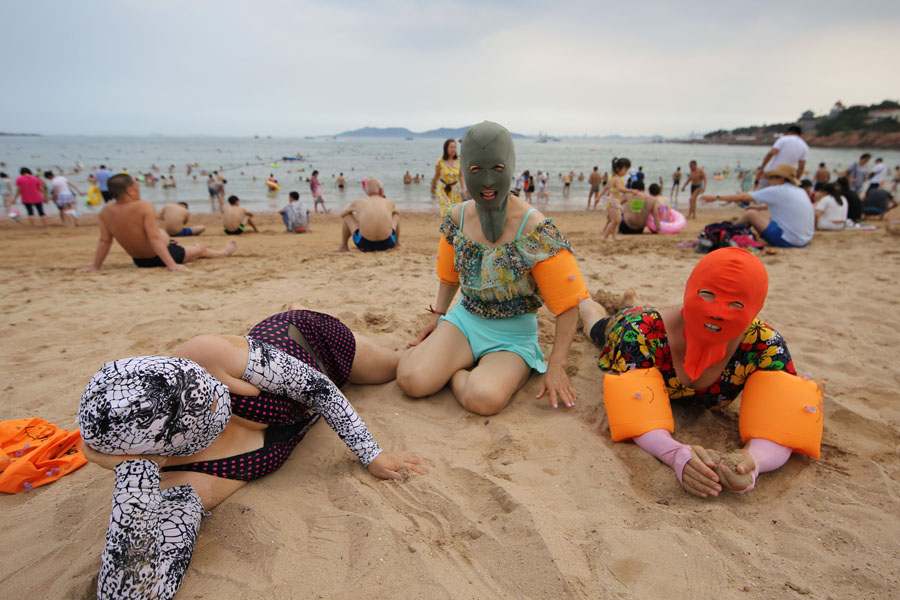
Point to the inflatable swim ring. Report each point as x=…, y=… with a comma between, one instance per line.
x=273, y=186
x=672, y=221
x=94, y=197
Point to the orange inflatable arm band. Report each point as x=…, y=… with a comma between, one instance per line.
x=446, y=269
x=636, y=402
x=560, y=282
x=784, y=409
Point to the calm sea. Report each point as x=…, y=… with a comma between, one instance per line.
x=242, y=159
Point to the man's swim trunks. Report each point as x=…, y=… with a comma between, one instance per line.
x=694, y=188
x=370, y=246
x=176, y=251
x=627, y=230
x=595, y=188
x=183, y=233
x=237, y=231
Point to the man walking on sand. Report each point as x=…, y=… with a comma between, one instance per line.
x=697, y=178
x=374, y=221
x=132, y=222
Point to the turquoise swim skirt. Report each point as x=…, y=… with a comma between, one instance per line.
x=516, y=334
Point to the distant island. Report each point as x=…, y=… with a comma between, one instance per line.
x=20, y=134
x=403, y=132
x=873, y=126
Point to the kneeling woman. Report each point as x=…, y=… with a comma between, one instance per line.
x=182, y=433
x=502, y=253
x=707, y=351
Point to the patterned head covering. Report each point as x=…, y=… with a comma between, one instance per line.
x=153, y=405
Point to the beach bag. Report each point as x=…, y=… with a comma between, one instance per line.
x=34, y=452
x=726, y=234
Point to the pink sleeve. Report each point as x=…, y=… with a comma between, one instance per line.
x=663, y=446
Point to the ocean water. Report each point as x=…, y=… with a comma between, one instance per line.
x=242, y=159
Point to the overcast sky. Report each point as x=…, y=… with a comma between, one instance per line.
x=289, y=68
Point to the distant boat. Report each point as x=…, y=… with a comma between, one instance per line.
x=298, y=157
x=409, y=139
x=543, y=138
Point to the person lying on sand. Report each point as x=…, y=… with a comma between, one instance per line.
x=184, y=432
x=373, y=221
x=505, y=257
x=706, y=351
x=175, y=219
x=132, y=222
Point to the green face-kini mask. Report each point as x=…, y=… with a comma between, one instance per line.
x=485, y=146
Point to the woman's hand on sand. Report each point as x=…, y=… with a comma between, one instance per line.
x=177, y=267
x=111, y=461
x=556, y=382
x=388, y=465
x=86, y=269
x=426, y=331
x=698, y=477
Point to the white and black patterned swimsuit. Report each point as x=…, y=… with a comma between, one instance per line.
x=330, y=348
x=150, y=539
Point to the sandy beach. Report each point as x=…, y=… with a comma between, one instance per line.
x=531, y=503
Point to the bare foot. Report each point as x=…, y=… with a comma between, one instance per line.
x=297, y=305
x=230, y=248
x=629, y=298
x=342, y=249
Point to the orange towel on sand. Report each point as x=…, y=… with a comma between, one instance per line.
x=34, y=452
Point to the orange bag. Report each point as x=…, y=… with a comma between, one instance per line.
x=559, y=280
x=784, y=409
x=636, y=402
x=446, y=269
x=34, y=453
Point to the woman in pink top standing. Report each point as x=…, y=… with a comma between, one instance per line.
x=30, y=188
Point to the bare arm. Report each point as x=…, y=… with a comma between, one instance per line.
x=437, y=175
x=102, y=249
x=349, y=210
x=769, y=156
x=742, y=197
x=800, y=168
x=555, y=380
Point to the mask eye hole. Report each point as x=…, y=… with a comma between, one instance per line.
x=736, y=305
x=474, y=169
x=707, y=295
x=499, y=167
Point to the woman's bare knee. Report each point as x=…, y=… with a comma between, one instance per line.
x=414, y=381
x=484, y=401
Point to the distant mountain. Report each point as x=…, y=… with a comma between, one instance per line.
x=403, y=132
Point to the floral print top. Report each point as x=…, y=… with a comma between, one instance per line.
x=638, y=340
x=496, y=282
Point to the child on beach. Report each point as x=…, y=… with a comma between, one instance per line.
x=315, y=186
x=234, y=217
x=618, y=193
x=61, y=189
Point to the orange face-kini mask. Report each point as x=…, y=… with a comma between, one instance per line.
x=731, y=275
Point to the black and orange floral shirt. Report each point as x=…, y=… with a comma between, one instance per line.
x=638, y=340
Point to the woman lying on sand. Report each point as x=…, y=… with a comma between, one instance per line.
x=182, y=433
x=706, y=351
x=502, y=253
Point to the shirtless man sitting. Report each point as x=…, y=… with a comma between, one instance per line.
x=374, y=221
x=697, y=178
x=175, y=218
x=233, y=218
x=132, y=222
